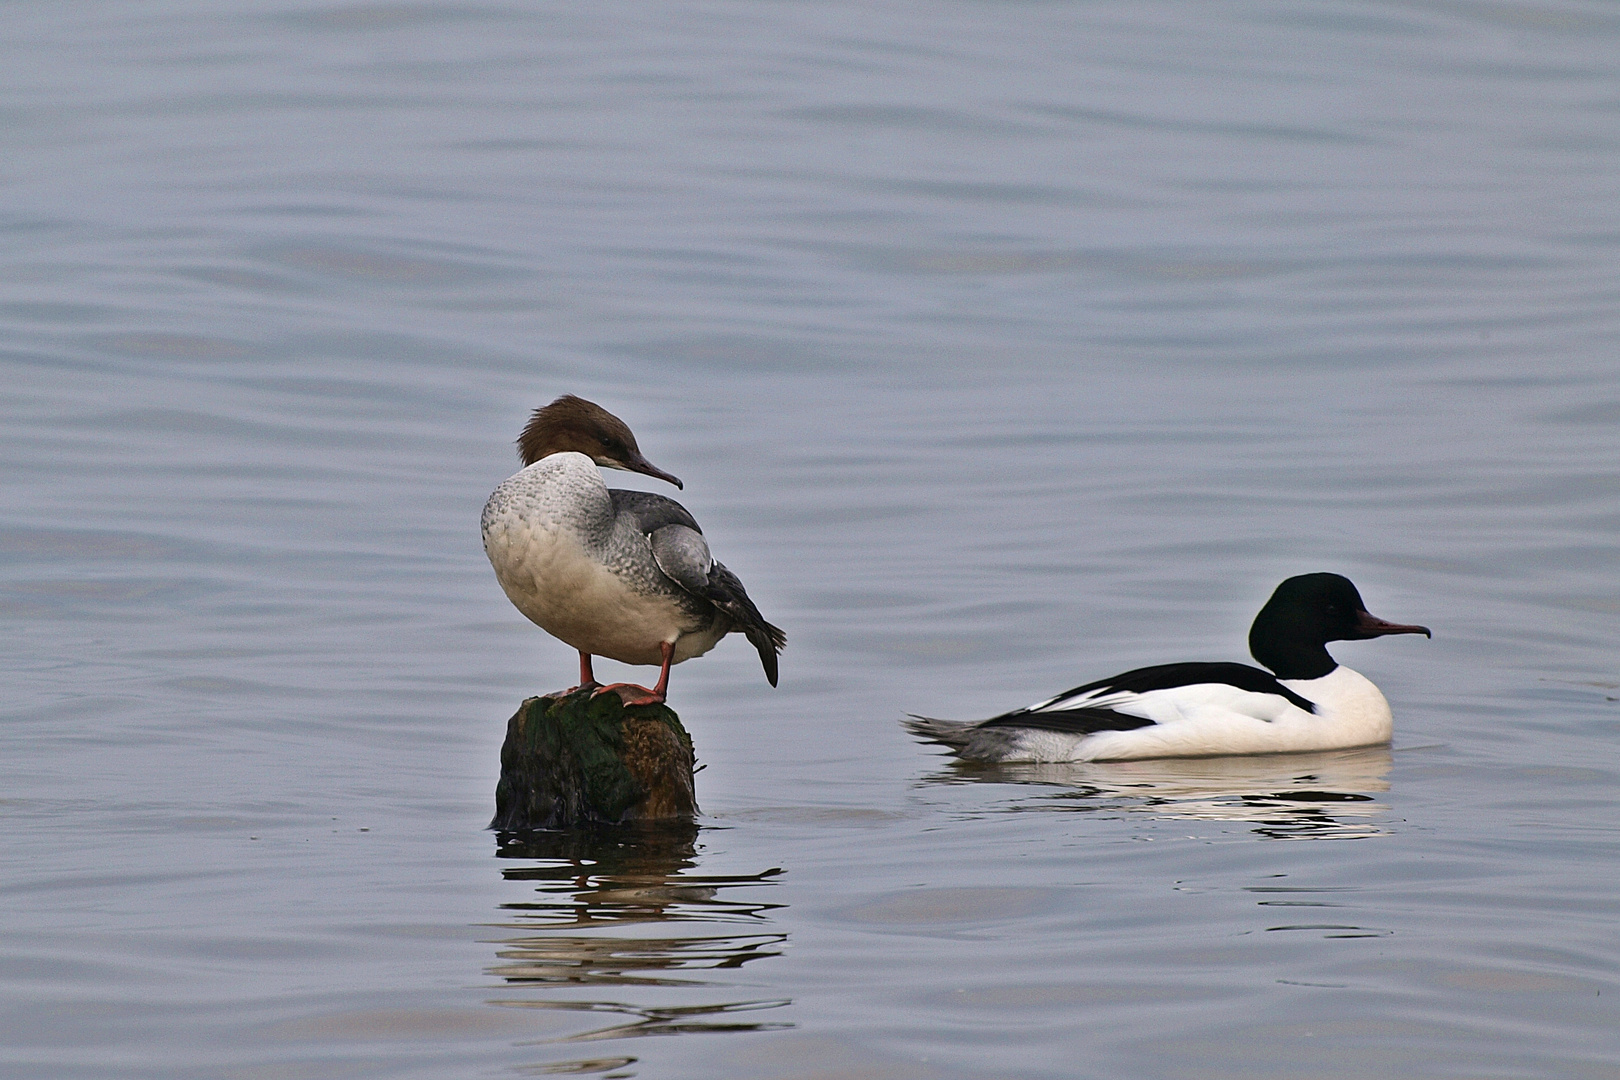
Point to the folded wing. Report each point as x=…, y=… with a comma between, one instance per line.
x=1159, y=695
x=683, y=555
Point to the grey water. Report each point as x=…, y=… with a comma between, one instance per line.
x=1001, y=346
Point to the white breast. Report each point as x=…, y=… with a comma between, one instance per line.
x=550, y=534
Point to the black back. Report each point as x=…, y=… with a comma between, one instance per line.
x=1168, y=676
x=1089, y=719
x=1070, y=721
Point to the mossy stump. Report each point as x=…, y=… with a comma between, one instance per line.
x=584, y=758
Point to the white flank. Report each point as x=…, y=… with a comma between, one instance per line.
x=1207, y=719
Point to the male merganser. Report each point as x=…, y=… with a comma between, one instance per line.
x=1305, y=702
x=621, y=574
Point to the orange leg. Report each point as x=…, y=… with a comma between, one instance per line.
x=631, y=694
x=587, y=678
x=668, y=650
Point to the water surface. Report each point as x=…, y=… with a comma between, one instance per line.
x=1001, y=346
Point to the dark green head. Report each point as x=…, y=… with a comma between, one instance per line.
x=1291, y=632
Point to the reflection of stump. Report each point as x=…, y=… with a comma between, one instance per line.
x=578, y=759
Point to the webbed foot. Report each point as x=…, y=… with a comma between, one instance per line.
x=631, y=694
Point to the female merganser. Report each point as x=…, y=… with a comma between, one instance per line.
x=1306, y=702
x=621, y=574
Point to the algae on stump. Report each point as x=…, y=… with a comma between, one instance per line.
x=584, y=757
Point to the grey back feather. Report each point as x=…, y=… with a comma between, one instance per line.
x=650, y=512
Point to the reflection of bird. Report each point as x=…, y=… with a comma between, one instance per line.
x=1330, y=793
x=621, y=574
x=1306, y=702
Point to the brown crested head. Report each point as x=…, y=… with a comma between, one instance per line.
x=573, y=424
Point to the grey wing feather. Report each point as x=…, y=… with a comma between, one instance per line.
x=683, y=555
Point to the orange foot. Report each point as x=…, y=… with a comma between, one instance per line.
x=573, y=690
x=631, y=694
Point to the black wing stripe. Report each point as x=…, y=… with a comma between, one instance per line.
x=1071, y=721
x=1169, y=676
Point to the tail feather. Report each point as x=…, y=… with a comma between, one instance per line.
x=969, y=740
x=952, y=733
x=725, y=591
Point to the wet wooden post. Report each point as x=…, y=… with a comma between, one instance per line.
x=580, y=758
